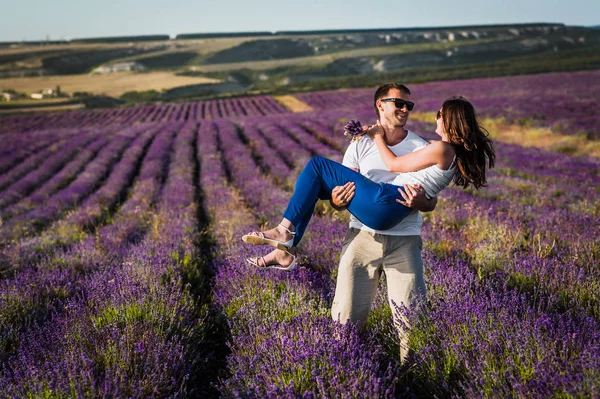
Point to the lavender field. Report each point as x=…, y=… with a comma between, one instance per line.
x=122, y=266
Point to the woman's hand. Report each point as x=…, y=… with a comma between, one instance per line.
x=357, y=137
x=375, y=130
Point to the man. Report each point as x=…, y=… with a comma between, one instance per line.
x=396, y=252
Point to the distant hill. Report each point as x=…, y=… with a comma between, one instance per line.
x=293, y=60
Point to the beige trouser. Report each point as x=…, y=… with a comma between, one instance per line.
x=364, y=256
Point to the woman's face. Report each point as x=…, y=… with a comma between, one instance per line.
x=439, y=129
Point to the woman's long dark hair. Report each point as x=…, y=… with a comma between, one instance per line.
x=474, y=149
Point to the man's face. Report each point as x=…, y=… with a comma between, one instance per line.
x=388, y=112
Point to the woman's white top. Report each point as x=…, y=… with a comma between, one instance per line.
x=432, y=178
x=363, y=155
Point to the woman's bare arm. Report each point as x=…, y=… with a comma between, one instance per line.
x=432, y=154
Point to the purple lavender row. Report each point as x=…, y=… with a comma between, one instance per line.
x=328, y=125
x=18, y=146
x=96, y=205
x=92, y=213
x=151, y=322
x=268, y=105
x=237, y=108
x=36, y=159
x=250, y=107
x=255, y=304
x=308, y=140
x=177, y=196
x=81, y=187
x=43, y=190
x=219, y=110
x=321, y=129
x=168, y=112
x=210, y=110
x=246, y=174
x=136, y=212
x=296, y=155
x=271, y=161
x=45, y=288
x=114, y=190
x=150, y=113
x=228, y=110
x=196, y=113
x=54, y=165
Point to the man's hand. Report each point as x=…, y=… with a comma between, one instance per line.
x=342, y=195
x=415, y=198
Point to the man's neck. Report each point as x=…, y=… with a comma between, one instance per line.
x=394, y=135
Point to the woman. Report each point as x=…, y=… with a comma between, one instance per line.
x=461, y=156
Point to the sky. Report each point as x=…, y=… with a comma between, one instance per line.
x=34, y=20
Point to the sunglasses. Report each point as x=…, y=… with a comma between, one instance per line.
x=399, y=103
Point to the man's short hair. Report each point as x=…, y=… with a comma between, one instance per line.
x=383, y=90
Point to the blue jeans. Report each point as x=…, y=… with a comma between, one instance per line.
x=374, y=204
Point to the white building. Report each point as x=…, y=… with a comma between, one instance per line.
x=119, y=67
x=8, y=97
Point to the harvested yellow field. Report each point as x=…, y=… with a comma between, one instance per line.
x=541, y=137
x=292, y=103
x=112, y=85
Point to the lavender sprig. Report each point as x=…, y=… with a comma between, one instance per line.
x=352, y=129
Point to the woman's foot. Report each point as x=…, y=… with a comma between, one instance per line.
x=279, y=237
x=276, y=259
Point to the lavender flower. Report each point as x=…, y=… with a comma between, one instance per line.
x=352, y=129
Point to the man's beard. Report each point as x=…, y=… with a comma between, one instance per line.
x=399, y=123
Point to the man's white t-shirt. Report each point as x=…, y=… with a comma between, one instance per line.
x=364, y=156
